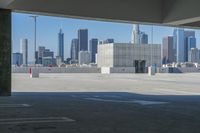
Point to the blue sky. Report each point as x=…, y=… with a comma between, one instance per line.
x=48, y=28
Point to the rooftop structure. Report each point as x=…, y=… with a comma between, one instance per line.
x=128, y=55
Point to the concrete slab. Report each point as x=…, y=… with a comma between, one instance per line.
x=161, y=84
x=179, y=115
x=165, y=103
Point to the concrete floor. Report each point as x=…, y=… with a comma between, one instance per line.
x=119, y=103
x=161, y=84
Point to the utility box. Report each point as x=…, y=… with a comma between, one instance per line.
x=151, y=70
x=34, y=73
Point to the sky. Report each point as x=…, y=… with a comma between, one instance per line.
x=48, y=28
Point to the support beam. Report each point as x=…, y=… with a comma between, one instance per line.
x=5, y=52
x=181, y=12
x=5, y=3
x=146, y=11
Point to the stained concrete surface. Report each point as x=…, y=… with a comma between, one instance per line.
x=95, y=111
x=179, y=115
x=161, y=84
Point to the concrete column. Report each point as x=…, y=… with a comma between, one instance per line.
x=5, y=52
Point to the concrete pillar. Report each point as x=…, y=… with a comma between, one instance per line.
x=5, y=52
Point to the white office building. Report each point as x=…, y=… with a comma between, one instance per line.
x=24, y=51
x=17, y=59
x=129, y=55
x=84, y=57
x=193, y=55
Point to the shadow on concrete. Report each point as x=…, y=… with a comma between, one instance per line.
x=117, y=95
x=103, y=112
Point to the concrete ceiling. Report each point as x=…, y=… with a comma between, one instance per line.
x=184, y=13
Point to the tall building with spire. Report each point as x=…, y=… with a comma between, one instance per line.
x=135, y=39
x=61, y=45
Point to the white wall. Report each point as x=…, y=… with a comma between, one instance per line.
x=124, y=54
x=108, y=70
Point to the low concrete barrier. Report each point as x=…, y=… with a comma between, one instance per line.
x=57, y=70
x=179, y=70
x=108, y=70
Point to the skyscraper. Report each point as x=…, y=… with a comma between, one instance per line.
x=167, y=46
x=190, y=42
x=83, y=40
x=179, y=45
x=143, y=38
x=24, y=51
x=36, y=58
x=43, y=53
x=93, y=48
x=17, y=59
x=41, y=50
x=183, y=41
x=135, y=34
x=74, y=50
x=84, y=57
x=193, y=55
x=61, y=45
x=109, y=40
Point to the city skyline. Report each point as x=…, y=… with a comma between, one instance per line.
x=48, y=28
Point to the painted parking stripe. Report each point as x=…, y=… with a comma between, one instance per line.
x=14, y=105
x=35, y=120
x=141, y=102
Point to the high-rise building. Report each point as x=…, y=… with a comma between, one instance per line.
x=36, y=57
x=167, y=47
x=189, y=33
x=183, y=40
x=109, y=40
x=199, y=55
x=74, y=50
x=100, y=42
x=135, y=38
x=43, y=53
x=61, y=44
x=24, y=50
x=179, y=45
x=193, y=55
x=83, y=39
x=48, y=61
x=190, y=41
x=143, y=38
x=48, y=53
x=17, y=59
x=58, y=61
x=84, y=57
x=41, y=50
x=93, y=48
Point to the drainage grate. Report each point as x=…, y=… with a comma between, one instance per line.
x=35, y=120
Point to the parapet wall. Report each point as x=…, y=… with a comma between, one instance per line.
x=108, y=70
x=57, y=70
x=179, y=70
